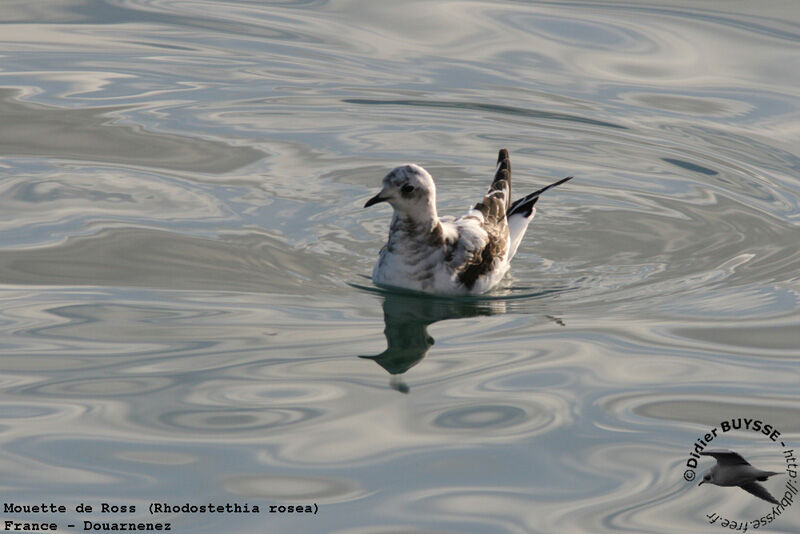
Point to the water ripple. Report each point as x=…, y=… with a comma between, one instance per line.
x=181, y=230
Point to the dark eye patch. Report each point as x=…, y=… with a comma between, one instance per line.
x=407, y=188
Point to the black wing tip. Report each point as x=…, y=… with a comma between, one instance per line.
x=502, y=155
x=525, y=204
x=555, y=184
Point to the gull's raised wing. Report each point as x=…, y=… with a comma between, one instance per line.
x=726, y=457
x=497, y=200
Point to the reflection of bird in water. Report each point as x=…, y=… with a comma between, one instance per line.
x=733, y=470
x=407, y=316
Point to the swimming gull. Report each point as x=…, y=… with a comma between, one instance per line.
x=444, y=255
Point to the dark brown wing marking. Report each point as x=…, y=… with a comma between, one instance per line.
x=500, y=179
x=493, y=207
x=497, y=200
x=482, y=263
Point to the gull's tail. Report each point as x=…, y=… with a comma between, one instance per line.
x=520, y=214
x=764, y=475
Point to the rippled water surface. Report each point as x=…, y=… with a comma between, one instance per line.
x=185, y=315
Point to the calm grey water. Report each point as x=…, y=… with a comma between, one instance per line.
x=185, y=316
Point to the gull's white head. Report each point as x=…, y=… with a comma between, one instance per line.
x=709, y=477
x=411, y=192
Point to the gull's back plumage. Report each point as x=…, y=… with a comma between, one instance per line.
x=444, y=255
